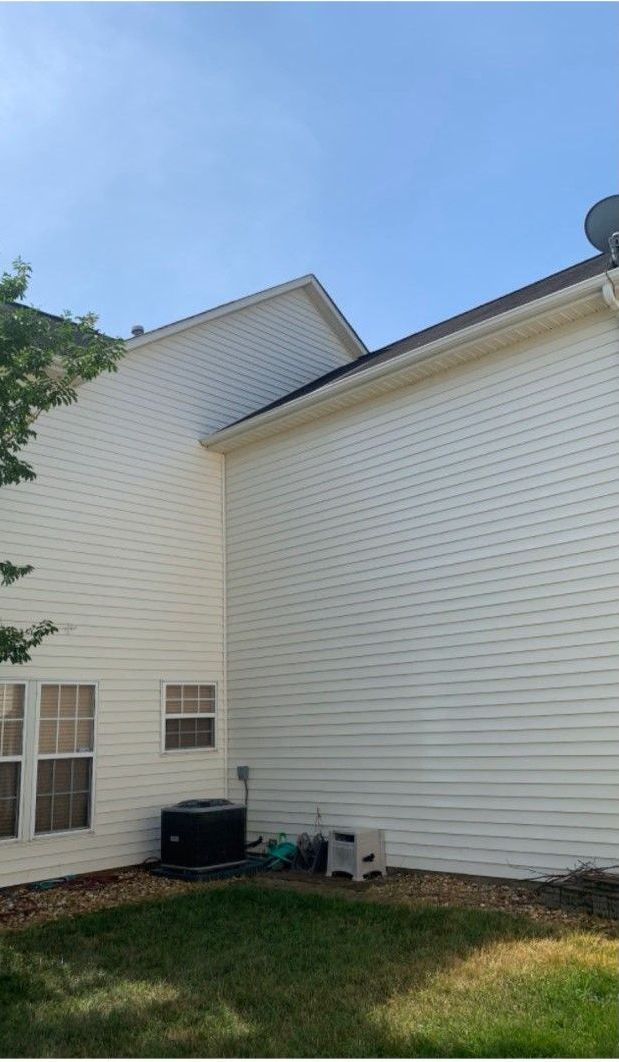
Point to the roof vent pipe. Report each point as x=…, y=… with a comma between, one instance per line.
x=137, y=330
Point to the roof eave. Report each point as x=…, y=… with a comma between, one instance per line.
x=309, y=282
x=521, y=322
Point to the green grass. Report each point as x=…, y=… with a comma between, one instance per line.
x=246, y=970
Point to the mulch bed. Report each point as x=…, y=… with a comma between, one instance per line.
x=23, y=905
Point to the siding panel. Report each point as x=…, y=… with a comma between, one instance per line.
x=423, y=606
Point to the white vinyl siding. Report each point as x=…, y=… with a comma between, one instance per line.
x=423, y=613
x=124, y=528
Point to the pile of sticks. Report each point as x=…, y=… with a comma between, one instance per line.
x=587, y=887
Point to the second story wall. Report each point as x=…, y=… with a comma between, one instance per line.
x=423, y=606
x=124, y=528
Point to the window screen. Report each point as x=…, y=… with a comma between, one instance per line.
x=63, y=795
x=66, y=747
x=12, y=705
x=189, y=716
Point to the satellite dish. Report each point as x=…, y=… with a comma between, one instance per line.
x=602, y=223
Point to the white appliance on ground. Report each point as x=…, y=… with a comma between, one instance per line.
x=356, y=852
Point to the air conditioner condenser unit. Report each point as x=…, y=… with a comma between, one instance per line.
x=203, y=834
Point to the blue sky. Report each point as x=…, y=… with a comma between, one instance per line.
x=158, y=159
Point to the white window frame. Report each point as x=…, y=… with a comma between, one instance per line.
x=36, y=757
x=21, y=760
x=203, y=749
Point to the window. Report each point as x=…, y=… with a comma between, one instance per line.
x=12, y=702
x=189, y=716
x=65, y=757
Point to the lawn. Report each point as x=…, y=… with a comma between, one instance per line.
x=251, y=971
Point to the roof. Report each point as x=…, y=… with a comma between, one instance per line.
x=309, y=283
x=52, y=317
x=566, y=278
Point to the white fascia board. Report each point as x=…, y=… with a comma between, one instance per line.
x=333, y=315
x=315, y=290
x=472, y=341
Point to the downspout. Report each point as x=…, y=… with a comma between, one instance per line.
x=224, y=616
x=609, y=295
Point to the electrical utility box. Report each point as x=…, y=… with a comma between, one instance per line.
x=356, y=852
x=203, y=834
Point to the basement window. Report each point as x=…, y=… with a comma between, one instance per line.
x=66, y=744
x=189, y=716
x=12, y=703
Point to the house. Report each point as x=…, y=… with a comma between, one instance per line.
x=387, y=582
